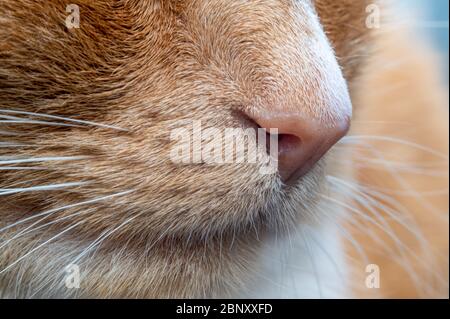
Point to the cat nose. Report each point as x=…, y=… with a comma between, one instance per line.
x=302, y=140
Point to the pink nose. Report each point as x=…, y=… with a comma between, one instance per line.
x=309, y=104
x=302, y=141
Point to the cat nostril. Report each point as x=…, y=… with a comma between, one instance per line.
x=302, y=141
x=287, y=142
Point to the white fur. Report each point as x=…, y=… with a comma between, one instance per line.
x=307, y=264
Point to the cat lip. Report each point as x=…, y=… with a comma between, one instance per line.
x=295, y=178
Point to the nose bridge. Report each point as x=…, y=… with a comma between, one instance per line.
x=321, y=91
x=312, y=110
x=313, y=102
x=311, y=82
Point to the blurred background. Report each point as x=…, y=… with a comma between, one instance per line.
x=431, y=17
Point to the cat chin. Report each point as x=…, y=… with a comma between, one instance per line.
x=284, y=207
x=291, y=205
x=221, y=255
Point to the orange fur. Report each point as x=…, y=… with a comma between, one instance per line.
x=144, y=67
x=401, y=97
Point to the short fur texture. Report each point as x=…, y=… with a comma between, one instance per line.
x=139, y=225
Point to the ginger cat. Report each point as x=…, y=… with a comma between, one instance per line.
x=93, y=204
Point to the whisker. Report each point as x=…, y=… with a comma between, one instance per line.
x=41, y=159
x=362, y=215
x=40, y=246
x=386, y=229
x=37, y=123
x=435, y=169
x=419, y=236
x=396, y=123
x=52, y=211
x=346, y=234
x=403, y=182
x=63, y=119
x=384, y=208
x=400, y=165
x=358, y=138
x=313, y=263
x=30, y=228
x=384, y=226
x=366, y=229
x=362, y=253
x=20, y=168
x=9, y=191
x=324, y=250
x=102, y=237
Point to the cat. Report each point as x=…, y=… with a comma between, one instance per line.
x=94, y=206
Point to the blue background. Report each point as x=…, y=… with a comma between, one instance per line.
x=436, y=12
